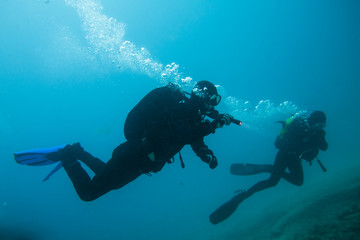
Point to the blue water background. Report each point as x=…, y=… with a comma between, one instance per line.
x=58, y=85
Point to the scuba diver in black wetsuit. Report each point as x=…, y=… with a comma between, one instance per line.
x=157, y=128
x=301, y=137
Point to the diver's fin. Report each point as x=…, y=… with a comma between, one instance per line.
x=39, y=157
x=245, y=169
x=56, y=168
x=36, y=157
x=227, y=209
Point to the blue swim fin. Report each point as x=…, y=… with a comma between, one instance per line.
x=58, y=166
x=38, y=157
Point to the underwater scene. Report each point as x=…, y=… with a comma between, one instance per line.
x=72, y=70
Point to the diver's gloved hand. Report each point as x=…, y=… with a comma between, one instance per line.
x=209, y=157
x=213, y=162
x=222, y=119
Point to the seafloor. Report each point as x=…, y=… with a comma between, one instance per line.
x=330, y=210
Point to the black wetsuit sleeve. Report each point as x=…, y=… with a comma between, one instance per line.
x=207, y=128
x=200, y=148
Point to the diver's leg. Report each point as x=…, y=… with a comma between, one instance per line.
x=79, y=178
x=230, y=206
x=110, y=178
x=296, y=175
x=73, y=152
x=119, y=171
x=276, y=174
x=95, y=164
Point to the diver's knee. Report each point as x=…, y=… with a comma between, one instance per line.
x=87, y=197
x=273, y=181
x=299, y=182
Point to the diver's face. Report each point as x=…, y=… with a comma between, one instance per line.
x=208, y=107
x=203, y=105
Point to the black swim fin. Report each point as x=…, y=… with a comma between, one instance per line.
x=245, y=169
x=227, y=209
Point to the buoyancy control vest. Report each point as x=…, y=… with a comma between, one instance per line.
x=142, y=121
x=297, y=136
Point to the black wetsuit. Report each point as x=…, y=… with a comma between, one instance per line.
x=157, y=128
x=297, y=141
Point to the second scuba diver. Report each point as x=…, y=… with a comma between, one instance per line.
x=301, y=137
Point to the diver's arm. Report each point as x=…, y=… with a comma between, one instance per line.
x=222, y=119
x=199, y=147
x=323, y=145
x=207, y=127
x=204, y=153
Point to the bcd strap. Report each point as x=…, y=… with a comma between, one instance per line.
x=181, y=160
x=172, y=160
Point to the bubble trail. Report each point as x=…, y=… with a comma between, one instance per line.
x=106, y=39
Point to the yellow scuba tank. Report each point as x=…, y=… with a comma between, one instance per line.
x=281, y=138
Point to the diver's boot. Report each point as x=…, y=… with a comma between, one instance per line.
x=68, y=154
x=95, y=164
x=75, y=149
